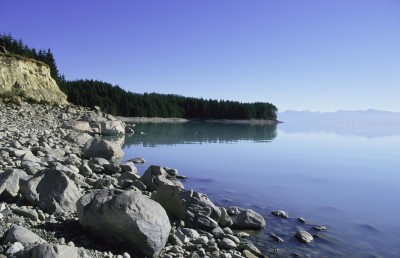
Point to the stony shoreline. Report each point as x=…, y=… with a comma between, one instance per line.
x=49, y=176
x=64, y=193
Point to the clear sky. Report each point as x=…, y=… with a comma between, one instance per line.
x=319, y=55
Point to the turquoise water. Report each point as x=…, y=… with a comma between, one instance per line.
x=346, y=181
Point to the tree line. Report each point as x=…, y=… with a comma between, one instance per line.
x=117, y=101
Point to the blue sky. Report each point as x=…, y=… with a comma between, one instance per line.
x=302, y=55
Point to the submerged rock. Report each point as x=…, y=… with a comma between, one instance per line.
x=248, y=219
x=282, y=214
x=304, y=236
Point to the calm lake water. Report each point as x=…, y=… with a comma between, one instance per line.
x=346, y=178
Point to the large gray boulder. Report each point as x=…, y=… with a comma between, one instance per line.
x=126, y=219
x=23, y=235
x=52, y=191
x=52, y=251
x=110, y=127
x=248, y=219
x=97, y=147
x=9, y=183
x=189, y=206
x=156, y=176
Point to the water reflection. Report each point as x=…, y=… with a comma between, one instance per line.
x=198, y=132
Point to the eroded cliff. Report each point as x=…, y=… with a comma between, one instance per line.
x=29, y=79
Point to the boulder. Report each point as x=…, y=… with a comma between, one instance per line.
x=126, y=219
x=77, y=125
x=52, y=251
x=156, y=176
x=225, y=220
x=78, y=137
x=110, y=127
x=9, y=183
x=189, y=206
x=52, y=191
x=303, y=236
x=248, y=219
x=97, y=147
x=23, y=235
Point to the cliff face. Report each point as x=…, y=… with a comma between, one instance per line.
x=29, y=79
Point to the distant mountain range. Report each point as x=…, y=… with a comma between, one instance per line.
x=369, y=123
x=370, y=116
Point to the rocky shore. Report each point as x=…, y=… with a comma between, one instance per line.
x=64, y=193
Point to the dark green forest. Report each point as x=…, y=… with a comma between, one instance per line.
x=117, y=101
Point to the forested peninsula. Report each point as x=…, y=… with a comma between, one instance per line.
x=117, y=101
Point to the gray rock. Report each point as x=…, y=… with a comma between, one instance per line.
x=227, y=231
x=276, y=238
x=282, y=214
x=138, y=160
x=218, y=233
x=127, y=167
x=190, y=232
x=227, y=244
x=79, y=138
x=14, y=248
x=126, y=219
x=319, y=228
x=186, y=205
x=52, y=251
x=248, y=219
x=205, y=222
x=52, y=191
x=301, y=220
x=97, y=147
x=233, y=238
x=202, y=240
x=225, y=220
x=251, y=248
x=248, y=254
x=23, y=235
x=85, y=170
x=156, y=176
x=77, y=125
x=233, y=210
x=28, y=213
x=130, y=176
x=181, y=236
x=304, y=236
x=110, y=128
x=9, y=184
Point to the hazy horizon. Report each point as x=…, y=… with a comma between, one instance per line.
x=314, y=55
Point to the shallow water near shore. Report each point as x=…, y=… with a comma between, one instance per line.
x=341, y=179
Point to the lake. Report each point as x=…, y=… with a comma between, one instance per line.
x=338, y=176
